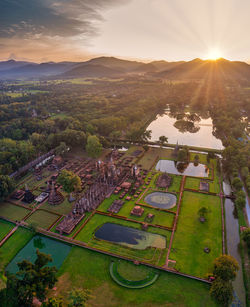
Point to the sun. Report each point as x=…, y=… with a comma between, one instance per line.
x=214, y=54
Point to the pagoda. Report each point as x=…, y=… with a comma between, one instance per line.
x=55, y=197
x=28, y=195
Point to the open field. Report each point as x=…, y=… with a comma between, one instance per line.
x=92, y=273
x=192, y=236
x=12, y=212
x=42, y=218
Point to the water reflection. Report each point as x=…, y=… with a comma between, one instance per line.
x=187, y=129
x=181, y=168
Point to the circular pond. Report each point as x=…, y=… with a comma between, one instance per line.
x=161, y=200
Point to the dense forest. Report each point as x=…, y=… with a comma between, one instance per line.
x=38, y=116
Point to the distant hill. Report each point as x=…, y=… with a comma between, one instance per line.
x=92, y=70
x=114, y=67
x=204, y=69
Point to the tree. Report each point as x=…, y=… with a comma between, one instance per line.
x=32, y=280
x=240, y=200
x=93, y=147
x=225, y=268
x=79, y=298
x=61, y=149
x=7, y=185
x=222, y=291
x=69, y=181
x=237, y=184
x=163, y=139
x=146, y=135
x=202, y=212
x=53, y=302
x=246, y=238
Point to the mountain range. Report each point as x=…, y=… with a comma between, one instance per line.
x=111, y=67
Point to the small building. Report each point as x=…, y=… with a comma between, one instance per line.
x=137, y=211
x=42, y=197
x=204, y=186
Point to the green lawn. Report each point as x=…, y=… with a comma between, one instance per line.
x=92, y=272
x=151, y=255
x=192, y=183
x=192, y=236
x=12, y=212
x=13, y=245
x=42, y=219
x=153, y=154
x=5, y=227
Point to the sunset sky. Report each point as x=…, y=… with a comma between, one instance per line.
x=74, y=30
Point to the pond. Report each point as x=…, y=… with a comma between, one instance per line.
x=161, y=200
x=56, y=249
x=201, y=134
x=129, y=237
x=178, y=168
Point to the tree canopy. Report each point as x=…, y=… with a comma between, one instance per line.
x=93, y=147
x=69, y=181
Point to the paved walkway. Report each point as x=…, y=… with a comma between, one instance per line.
x=175, y=221
x=8, y=235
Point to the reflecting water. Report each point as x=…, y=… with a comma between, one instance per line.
x=130, y=237
x=197, y=133
x=161, y=200
x=56, y=249
x=178, y=168
x=233, y=239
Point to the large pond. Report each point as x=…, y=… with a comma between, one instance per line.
x=178, y=168
x=56, y=249
x=161, y=200
x=200, y=133
x=129, y=237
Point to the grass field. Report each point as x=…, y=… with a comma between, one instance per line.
x=92, y=273
x=5, y=227
x=42, y=219
x=12, y=246
x=192, y=236
x=12, y=212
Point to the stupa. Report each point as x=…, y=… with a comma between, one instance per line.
x=28, y=196
x=55, y=197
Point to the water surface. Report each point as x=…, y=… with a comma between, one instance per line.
x=161, y=200
x=177, y=168
x=130, y=237
x=164, y=125
x=56, y=249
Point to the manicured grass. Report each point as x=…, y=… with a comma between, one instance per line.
x=131, y=271
x=42, y=219
x=161, y=217
x=5, y=228
x=176, y=184
x=151, y=156
x=12, y=212
x=92, y=272
x=192, y=183
x=12, y=246
x=192, y=236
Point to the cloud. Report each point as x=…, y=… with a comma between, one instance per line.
x=49, y=23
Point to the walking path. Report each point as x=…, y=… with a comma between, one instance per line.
x=8, y=235
x=175, y=221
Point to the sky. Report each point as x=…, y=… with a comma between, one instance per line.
x=76, y=30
